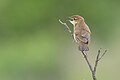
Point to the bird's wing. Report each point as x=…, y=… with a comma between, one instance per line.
x=87, y=28
x=84, y=36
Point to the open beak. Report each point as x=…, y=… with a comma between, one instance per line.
x=72, y=21
x=69, y=19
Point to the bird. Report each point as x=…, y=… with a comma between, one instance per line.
x=81, y=32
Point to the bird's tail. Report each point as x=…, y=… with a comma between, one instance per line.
x=83, y=47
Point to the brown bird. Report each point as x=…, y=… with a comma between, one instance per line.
x=81, y=32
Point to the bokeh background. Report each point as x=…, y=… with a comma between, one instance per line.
x=35, y=46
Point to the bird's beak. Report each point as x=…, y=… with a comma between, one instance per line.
x=69, y=19
x=72, y=21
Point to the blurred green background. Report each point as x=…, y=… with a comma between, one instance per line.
x=35, y=46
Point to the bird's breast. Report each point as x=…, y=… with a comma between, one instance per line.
x=76, y=33
x=77, y=30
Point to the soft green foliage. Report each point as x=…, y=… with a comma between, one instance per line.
x=35, y=46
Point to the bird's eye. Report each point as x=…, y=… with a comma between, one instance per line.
x=75, y=18
x=71, y=19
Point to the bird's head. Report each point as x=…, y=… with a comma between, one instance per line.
x=76, y=19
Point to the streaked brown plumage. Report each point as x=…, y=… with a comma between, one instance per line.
x=81, y=32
